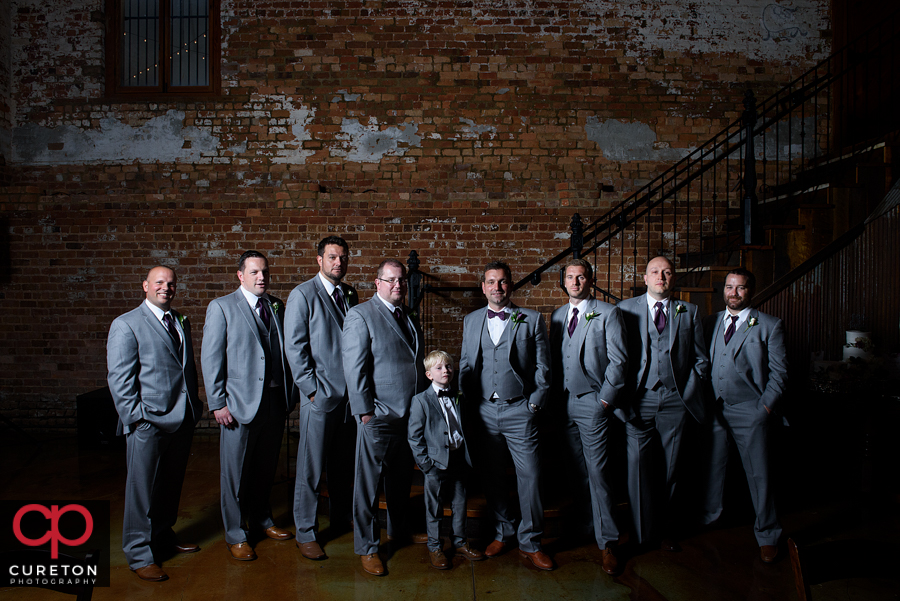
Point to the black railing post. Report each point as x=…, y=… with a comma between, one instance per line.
x=749, y=209
x=576, y=243
x=415, y=279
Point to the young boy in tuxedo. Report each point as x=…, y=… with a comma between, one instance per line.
x=439, y=447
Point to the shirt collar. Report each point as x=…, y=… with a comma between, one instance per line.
x=652, y=303
x=390, y=307
x=742, y=316
x=252, y=298
x=438, y=389
x=159, y=313
x=329, y=287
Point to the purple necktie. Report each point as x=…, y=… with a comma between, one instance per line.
x=660, y=319
x=263, y=312
x=401, y=321
x=730, y=331
x=499, y=314
x=173, y=332
x=573, y=322
x=339, y=300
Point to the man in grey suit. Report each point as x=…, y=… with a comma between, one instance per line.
x=504, y=368
x=248, y=389
x=153, y=381
x=667, y=366
x=383, y=352
x=313, y=325
x=749, y=374
x=590, y=357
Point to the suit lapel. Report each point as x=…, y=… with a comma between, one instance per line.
x=644, y=327
x=249, y=314
x=717, y=335
x=741, y=334
x=160, y=330
x=328, y=302
x=392, y=322
x=581, y=328
x=674, y=318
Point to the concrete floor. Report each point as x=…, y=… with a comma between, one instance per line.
x=717, y=565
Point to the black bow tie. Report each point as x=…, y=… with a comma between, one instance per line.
x=501, y=314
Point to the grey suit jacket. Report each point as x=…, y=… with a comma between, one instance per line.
x=312, y=330
x=759, y=356
x=687, y=350
x=429, y=436
x=528, y=353
x=602, y=347
x=233, y=357
x=147, y=377
x=382, y=369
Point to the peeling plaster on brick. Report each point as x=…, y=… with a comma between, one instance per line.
x=346, y=96
x=441, y=268
x=51, y=36
x=629, y=141
x=283, y=152
x=369, y=143
x=502, y=91
x=760, y=29
x=159, y=139
x=470, y=130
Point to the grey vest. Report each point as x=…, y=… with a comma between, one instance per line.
x=497, y=375
x=660, y=365
x=723, y=372
x=575, y=380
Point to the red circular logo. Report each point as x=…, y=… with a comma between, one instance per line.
x=53, y=514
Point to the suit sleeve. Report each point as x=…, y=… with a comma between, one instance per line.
x=466, y=363
x=416, y=435
x=701, y=355
x=213, y=358
x=123, y=363
x=297, y=343
x=617, y=354
x=541, y=363
x=777, y=380
x=356, y=349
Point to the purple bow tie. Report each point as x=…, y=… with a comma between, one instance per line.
x=500, y=314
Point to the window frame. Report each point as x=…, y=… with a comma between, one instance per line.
x=164, y=90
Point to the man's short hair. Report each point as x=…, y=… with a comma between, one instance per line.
x=497, y=265
x=336, y=240
x=434, y=357
x=751, y=279
x=251, y=254
x=667, y=259
x=588, y=269
x=393, y=262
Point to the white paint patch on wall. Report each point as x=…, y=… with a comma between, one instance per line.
x=158, y=139
x=621, y=141
x=470, y=130
x=291, y=153
x=370, y=143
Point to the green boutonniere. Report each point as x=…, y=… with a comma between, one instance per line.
x=517, y=318
x=275, y=308
x=413, y=314
x=182, y=319
x=458, y=398
x=590, y=316
x=750, y=323
x=680, y=309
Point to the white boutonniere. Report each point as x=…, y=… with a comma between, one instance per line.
x=751, y=322
x=680, y=309
x=590, y=316
x=182, y=319
x=275, y=308
x=517, y=318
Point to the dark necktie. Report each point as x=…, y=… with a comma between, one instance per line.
x=263, y=312
x=401, y=321
x=339, y=300
x=573, y=322
x=660, y=319
x=501, y=315
x=173, y=332
x=731, y=327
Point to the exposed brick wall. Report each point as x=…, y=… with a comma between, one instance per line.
x=464, y=131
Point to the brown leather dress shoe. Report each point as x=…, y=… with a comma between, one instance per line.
x=242, y=551
x=439, y=560
x=371, y=564
x=539, y=559
x=185, y=547
x=768, y=553
x=420, y=538
x=470, y=553
x=152, y=573
x=311, y=550
x=497, y=547
x=276, y=533
x=610, y=563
